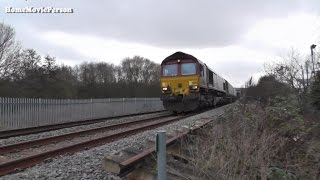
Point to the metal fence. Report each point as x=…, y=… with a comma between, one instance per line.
x=27, y=112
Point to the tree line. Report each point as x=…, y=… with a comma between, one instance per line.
x=295, y=75
x=24, y=73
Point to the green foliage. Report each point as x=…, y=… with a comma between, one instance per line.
x=284, y=114
x=280, y=174
x=267, y=87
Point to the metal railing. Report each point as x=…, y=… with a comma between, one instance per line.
x=29, y=112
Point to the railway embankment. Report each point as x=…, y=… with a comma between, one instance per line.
x=254, y=140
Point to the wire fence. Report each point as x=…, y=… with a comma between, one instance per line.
x=18, y=113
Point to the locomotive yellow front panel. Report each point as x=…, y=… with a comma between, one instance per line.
x=180, y=85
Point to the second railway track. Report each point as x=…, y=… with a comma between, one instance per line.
x=64, y=137
x=39, y=129
x=26, y=154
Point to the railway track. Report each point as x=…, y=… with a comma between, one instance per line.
x=39, y=129
x=122, y=167
x=26, y=154
x=54, y=139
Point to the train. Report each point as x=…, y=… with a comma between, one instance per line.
x=188, y=84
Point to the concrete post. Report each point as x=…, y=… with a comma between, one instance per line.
x=161, y=155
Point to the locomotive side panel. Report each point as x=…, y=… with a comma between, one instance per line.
x=220, y=82
x=215, y=78
x=231, y=90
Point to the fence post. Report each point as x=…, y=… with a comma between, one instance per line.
x=161, y=155
x=91, y=113
x=6, y=111
x=1, y=112
x=11, y=113
x=123, y=99
x=38, y=111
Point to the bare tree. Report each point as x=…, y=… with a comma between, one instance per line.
x=139, y=70
x=9, y=51
x=87, y=73
x=105, y=73
x=131, y=68
x=294, y=69
x=49, y=64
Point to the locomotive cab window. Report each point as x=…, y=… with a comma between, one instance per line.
x=188, y=68
x=170, y=70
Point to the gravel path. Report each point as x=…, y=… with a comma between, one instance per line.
x=30, y=137
x=88, y=164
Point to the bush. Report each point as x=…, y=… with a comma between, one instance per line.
x=257, y=141
x=284, y=116
x=268, y=87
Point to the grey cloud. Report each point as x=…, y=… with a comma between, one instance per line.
x=33, y=41
x=237, y=71
x=170, y=24
x=167, y=23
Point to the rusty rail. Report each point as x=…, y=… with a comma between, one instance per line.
x=49, y=140
x=12, y=166
x=128, y=165
x=38, y=129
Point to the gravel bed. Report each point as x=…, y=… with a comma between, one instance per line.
x=14, y=140
x=70, y=141
x=88, y=164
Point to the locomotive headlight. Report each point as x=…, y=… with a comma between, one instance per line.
x=164, y=89
x=194, y=87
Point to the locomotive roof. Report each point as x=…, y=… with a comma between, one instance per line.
x=180, y=55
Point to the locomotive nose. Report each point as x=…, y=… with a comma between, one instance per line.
x=175, y=89
x=178, y=88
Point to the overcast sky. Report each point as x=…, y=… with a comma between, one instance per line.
x=235, y=38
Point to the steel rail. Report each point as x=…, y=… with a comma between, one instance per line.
x=38, y=129
x=12, y=166
x=128, y=165
x=63, y=137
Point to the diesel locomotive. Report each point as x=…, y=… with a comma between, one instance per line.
x=188, y=84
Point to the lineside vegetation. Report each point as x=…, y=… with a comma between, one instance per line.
x=272, y=132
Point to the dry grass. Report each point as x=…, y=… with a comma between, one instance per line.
x=252, y=141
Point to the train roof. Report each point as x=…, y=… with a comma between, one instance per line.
x=180, y=55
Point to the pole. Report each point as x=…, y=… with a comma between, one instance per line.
x=312, y=47
x=161, y=155
x=307, y=72
x=312, y=60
